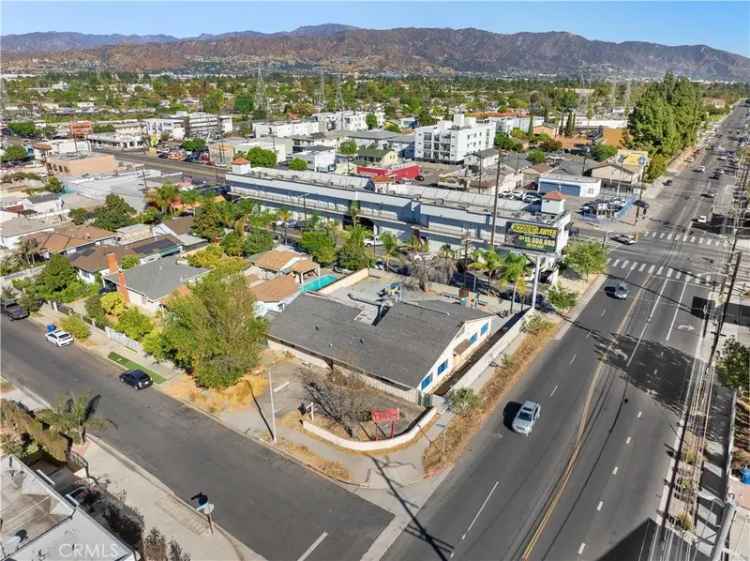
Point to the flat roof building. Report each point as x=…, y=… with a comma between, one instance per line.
x=78, y=164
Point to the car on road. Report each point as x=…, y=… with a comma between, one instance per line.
x=709, y=195
x=137, y=379
x=11, y=309
x=668, y=182
x=621, y=291
x=702, y=219
x=373, y=242
x=624, y=239
x=526, y=417
x=700, y=169
x=59, y=338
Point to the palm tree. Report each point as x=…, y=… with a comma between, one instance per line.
x=486, y=261
x=164, y=197
x=512, y=271
x=285, y=216
x=27, y=249
x=447, y=261
x=390, y=247
x=74, y=416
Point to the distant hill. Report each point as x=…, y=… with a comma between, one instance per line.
x=403, y=50
x=55, y=42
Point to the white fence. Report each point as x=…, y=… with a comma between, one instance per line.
x=123, y=340
x=494, y=351
x=372, y=445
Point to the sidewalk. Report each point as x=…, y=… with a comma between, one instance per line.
x=159, y=507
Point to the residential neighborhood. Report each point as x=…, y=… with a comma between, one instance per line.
x=262, y=302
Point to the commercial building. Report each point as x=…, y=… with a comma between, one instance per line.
x=438, y=216
x=569, y=184
x=318, y=158
x=80, y=129
x=173, y=127
x=205, y=125
x=79, y=164
x=131, y=186
x=221, y=153
x=116, y=141
x=60, y=147
x=377, y=138
x=285, y=129
x=39, y=523
x=347, y=120
x=508, y=120
x=452, y=141
x=614, y=173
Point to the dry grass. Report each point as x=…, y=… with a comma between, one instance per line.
x=445, y=449
x=6, y=386
x=332, y=469
x=236, y=397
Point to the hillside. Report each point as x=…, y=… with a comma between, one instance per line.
x=405, y=50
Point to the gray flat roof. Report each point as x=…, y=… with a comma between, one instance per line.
x=402, y=347
x=375, y=134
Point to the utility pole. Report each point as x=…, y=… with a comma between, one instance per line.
x=340, y=102
x=536, y=283
x=261, y=102
x=494, y=203
x=321, y=101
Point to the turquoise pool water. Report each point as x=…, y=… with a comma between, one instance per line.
x=316, y=284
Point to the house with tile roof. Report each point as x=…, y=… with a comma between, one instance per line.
x=71, y=238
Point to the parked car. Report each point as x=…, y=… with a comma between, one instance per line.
x=137, y=379
x=11, y=309
x=419, y=177
x=59, y=338
x=526, y=417
x=373, y=242
x=621, y=291
x=624, y=239
x=709, y=195
x=700, y=169
x=667, y=183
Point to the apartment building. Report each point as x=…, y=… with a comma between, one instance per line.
x=451, y=141
x=347, y=120
x=285, y=129
x=205, y=125
x=172, y=126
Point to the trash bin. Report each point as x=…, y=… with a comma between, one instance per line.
x=51, y=327
x=745, y=475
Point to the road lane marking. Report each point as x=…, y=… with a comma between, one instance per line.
x=609, y=259
x=685, y=237
x=553, y=391
x=581, y=548
x=627, y=440
x=677, y=309
x=315, y=544
x=669, y=272
x=624, y=264
x=599, y=506
x=614, y=471
x=662, y=235
x=660, y=269
x=638, y=416
x=700, y=240
x=616, y=263
x=604, y=311
x=692, y=239
x=678, y=275
x=651, y=269
x=481, y=508
x=641, y=268
x=634, y=266
x=708, y=279
x=670, y=236
x=572, y=360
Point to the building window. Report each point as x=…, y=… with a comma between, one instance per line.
x=443, y=367
x=473, y=339
x=485, y=329
x=426, y=381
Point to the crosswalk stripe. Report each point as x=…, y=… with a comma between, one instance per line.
x=615, y=263
x=662, y=235
x=678, y=275
x=651, y=269
x=685, y=237
x=660, y=269
x=698, y=279
x=669, y=272
x=692, y=239
x=643, y=266
x=669, y=237
x=624, y=264
x=708, y=279
x=634, y=266
x=700, y=240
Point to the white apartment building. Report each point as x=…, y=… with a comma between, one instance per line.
x=173, y=126
x=451, y=141
x=221, y=153
x=318, y=158
x=60, y=146
x=116, y=141
x=506, y=123
x=285, y=129
x=205, y=125
x=347, y=120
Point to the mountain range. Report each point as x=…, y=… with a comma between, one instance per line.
x=341, y=48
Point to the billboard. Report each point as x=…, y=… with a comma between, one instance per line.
x=535, y=237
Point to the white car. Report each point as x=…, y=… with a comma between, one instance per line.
x=526, y=417
x=59, y=338
x=373, y=242
x=702, y=219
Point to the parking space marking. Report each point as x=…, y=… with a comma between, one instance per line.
x=312, y=547
x=553, y=391
x=634, y=266
x=615, y=470
x=642, y=267
x=572, y=360
x=638, y=416
x=627, y=440
x=615, y=263
x=678, y=275
x=660, y=269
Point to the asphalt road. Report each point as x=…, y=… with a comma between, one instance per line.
x=274, y=506
x=628, y=365
x=197, y=171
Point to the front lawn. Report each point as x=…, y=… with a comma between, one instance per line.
x=130, y=365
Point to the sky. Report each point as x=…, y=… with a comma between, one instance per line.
x=722, y=25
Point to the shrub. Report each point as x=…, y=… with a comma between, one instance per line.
x=95, y=310
x=135, y=324
x=76, y=327
x=464, y=401
x=113, y=304
x=537, y=325
x=561, y=298
x=154, y=344
x=130, y=261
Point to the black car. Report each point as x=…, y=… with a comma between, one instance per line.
x=138, y=379
x=13, y=310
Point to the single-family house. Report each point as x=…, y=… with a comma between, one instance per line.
x=70, y=239
x=180, y=228
x=275, y=294
x=409, y=345
x=93, y=260
x=133, y=233
x=284, y=261
x=155, y=247
x=611, y=172
x=148, y=286
x=376, y=157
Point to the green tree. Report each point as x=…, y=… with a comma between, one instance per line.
x=348, y=148
x=550, y=145
x=257, y=240
x=57, y=276
x=213, y=102
x=561, y=298
x=298, y=164
x=194, y=145
x=513, y=271
x=95, y=311
x=260, y=157
x=320, y=243
x=209, y=221
x=733, y=366
x=505, y=142
x=392, y=127
x=464, y=401
x=129, y=261
x=353, y=253
x=115, y=214
x=99, y=128
x=54, y=185
x=15, y=153
x=535, y=156
x=656, y=167
x=390, y=247
x=214, y=330
x=244, y=104
x=601, y=151
x=371, y=120
x=233, y=243
x=113, y=304
x=570, y=126
x=163, y=197
x=25, y=129
x=585, y=258
x=74, y=416
x=134, y=323
x=425, y=118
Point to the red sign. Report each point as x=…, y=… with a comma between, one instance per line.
x=385, y=415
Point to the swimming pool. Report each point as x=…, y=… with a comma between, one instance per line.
x=316, y=284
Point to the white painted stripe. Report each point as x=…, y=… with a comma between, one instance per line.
x=615, y=263
x=572, y=360
x=581, y=548
x=639, y=415
x=700, y=240
x=678, y=275
x=662, y=235
x=708, y=279
x=635, y=264
x=604, y=311
x=553, y=391
x=651, y=269
x=315, y=544
x=643, y=266
x=627, y=440
x=624, y=264
x=615, y=470
x=661, y=267
x=481, y=508
x=685, y=237
x=599, y=506
x=692, y=239
x=669, y=272
x=609, y=260
x=670, y=236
